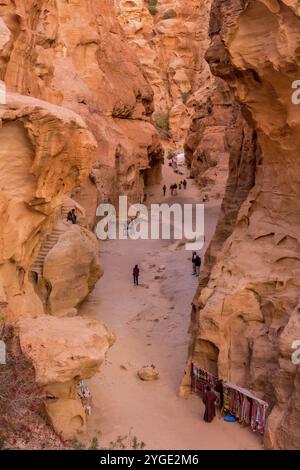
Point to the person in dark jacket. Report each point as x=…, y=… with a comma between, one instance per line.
x=197, y=264
x=136, y=273
x=193, y=262
x=209, y=398
x=164, y=189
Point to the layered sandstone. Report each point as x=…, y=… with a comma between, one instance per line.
x=246, y=314
x=167, y=43
x=47, y=53
x=48, y=152
x=45, y=151
x=63, y=353
x=71, y=270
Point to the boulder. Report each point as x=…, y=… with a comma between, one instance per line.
x=66, y=416
x=148, y=373
x=71, y=270
x=63, y=349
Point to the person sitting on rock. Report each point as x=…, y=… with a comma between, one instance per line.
x=72, y=217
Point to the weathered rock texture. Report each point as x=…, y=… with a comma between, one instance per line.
x=45, y=151
x=167, y=44
x=246, y=316
x=71, y=270
x=63, y=352
x=49, y=54
x=218, y=131
x=73, y=55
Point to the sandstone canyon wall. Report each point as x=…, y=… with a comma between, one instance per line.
x=168, y=36
x=76, y=122
x=246, y=313
x=75, y=55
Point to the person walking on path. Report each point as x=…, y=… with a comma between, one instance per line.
x=136, y=273
x=193, y=261
x=184, y=184
x=175, y=189
x=197, y=265
x=164, y=189
x=209, y=399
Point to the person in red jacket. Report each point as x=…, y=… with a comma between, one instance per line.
x=136, y=273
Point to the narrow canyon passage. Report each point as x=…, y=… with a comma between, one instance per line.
x=151, y=324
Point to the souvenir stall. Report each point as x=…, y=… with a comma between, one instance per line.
x=244, y=406
x=201, y=378
x=238, y=403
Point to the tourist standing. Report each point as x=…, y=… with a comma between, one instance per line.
x=164, y=189
x=197, y=265
x=136, y=273
x=184, y=184
x=209, y=398
x=193, y=262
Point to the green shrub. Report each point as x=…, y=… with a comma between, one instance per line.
x=153, y=7
x=169, y=14
x=184, y=97
x=161, y=121
x=153, y=10
x=171, y=154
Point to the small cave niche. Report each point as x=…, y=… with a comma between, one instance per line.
x=206, y=354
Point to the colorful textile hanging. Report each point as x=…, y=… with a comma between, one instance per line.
x=201, y=378
x=245, y=406
x=238, y=401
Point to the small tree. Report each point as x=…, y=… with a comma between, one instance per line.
x=169, y=14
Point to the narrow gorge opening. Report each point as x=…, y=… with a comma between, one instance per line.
x=169, y=104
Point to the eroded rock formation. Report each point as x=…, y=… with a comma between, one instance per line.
x=47, y=152
x=246, y=314
x=63, y=353
x=71, y=269
x=167, y=43
x=47, y=53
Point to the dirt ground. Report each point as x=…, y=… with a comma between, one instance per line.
x=151, y=323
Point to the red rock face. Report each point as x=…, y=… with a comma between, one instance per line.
x=247, y=316
x=74, y=54
x=70, y=59
x=169, y=43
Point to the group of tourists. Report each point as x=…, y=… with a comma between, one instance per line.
x=173, y=188
x=196, y=260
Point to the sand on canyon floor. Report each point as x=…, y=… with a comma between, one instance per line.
x=151, y=325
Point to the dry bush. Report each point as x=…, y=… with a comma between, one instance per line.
x=20, y=400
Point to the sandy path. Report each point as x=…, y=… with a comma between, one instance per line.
x=151, y=324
